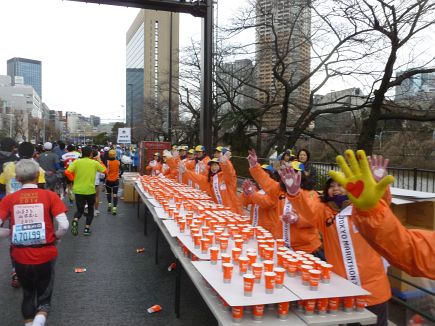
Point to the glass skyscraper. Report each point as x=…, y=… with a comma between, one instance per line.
x=29, y=69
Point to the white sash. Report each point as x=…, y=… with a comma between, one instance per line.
x=346, y=244
x=197, y=169
x=256, y=209
x=216, y=190
x=286, y=226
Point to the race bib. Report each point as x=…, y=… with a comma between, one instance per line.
x=29, y=227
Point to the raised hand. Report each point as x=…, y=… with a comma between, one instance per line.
x=363, y=190
x=290, y=218
x=291, y=179
x=248, y=187
x=169, y=154
x=378, y=165
x=252, y=158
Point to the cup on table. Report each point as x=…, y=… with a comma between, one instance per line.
x=268, y=265
x=268, y=253
x=228, y=272
x=348, y=303
x=322, y=306
x=258, y=312
x=360, y=303
x=326, y=272
x=333, y=305
x=236, y=252
x=246, y=234
x=238, y=243
x=257, y=270
x=223, y=243
x=225, y=258
x=197, y=240
x=261, y=251
x=237, y=314
x=279, y=279
x=243, y=265
x=252, y=256
x=269, y=281
x=182, y=225
x=248, y=284
x=305, y=276
x=283, y=309
x=314, y=279
x=210, y=236
x=280, y=243
x=310, y=306
x=280, y=259
x=214, y=254
x=205, y=243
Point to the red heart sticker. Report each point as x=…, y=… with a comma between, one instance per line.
x=355, y=188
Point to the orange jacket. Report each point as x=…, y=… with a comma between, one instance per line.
x=112, y=170
x=410, y=250
x=304, y=236
x=222, y=187
x=154, y=167
x=199, y=167
x=262, y=208
x=369, y=263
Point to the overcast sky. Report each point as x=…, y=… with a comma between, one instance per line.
x=82, y=49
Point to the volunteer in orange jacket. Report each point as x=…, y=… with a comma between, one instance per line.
x=410, y=250
x=297, y=233
x=173, y=159
x=199, y=165
x=262, y=206
x=154, y=167
x=221, y=183
x=345, y=248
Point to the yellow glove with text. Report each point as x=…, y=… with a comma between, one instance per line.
x=357, y=179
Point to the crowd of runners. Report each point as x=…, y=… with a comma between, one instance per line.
x=349, y=224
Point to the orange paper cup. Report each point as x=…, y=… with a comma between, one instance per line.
x=310, y=305
x=349, y=302
x=228, y=272
x=314, y=279
x=237, y=313
x=248, y=284
x=257, y=270
x=258, y=312
x=239, y=243
x=326, y=272
x=210, y=236
x=269, y=278
x=333, y=305
x=214, y=253
x=280, y=243
x=322, y=306
x=197, y=240
x=252, y=258
x=236, y=252
x=279, y=279
x=283, y=308
x=226, y=258
x=268, y=265
x=306, y=274
x=182, y=225
x=243, y=265
x=223, y=243
x=205, y=243
x=360, y=303
x=268, y=253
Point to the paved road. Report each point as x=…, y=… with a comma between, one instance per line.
x=119, y=283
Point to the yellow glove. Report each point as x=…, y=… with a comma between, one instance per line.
x=362, y=189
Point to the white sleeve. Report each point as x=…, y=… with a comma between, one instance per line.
x=62, y=225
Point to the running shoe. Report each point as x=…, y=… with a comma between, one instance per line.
x=15, y=283
x=114, y=211
x=75, y=227
x=87, y=232
x=96, y=212
x=109, y=207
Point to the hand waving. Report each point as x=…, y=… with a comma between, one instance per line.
x=291, y=179
x=363, y=190
x=378, y=165
x=252, y=158
x=248, y=187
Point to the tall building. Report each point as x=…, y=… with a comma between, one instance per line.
x=418, y=89
x=29, y=69
x=150, y=39
x=291, y=30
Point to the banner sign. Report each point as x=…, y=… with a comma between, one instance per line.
x=124, y=136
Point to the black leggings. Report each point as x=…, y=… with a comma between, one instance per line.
x=81, y=201
x=37, y=282
x=112, y=189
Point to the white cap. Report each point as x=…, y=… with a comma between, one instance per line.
x=48, y=146
x=106, y=149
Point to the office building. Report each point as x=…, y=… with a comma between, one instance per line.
x=291, y=33
x=152, y=50
x=29, y=70
x=419, y=89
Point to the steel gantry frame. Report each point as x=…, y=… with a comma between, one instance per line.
x=197, y=8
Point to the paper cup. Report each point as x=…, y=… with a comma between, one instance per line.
x=360, y=303
x=283, y=309
x=223, y=243
x=269, y=278
x=205, y=243
x=243, y=265
x=280, y=243
x=333, y=305
x=237, y=314
x=214, y=253
x=326, y=272
x=280, y=259
x=310, y=306
x=268, y=253
x=292, y=267
x=226, y=258
x=228, y=272
x=236, y=252
x=348, y=303
x=197, y=240
x=258, y=312
x=182, y=225
x=210, y=236
x=238, y=243
x=314, y=279
x=322, y=306
x=261, y=250
x=257, y=270
x=248, y=284
x=252, y=258
x=279, y=279
x=305, y=276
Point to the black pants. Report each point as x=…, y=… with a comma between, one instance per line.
x=37, y=282
x=81, y=201
x=112, y=189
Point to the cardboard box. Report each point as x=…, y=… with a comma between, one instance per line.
x=401, y=211
x=421, y=214
x=130, y=194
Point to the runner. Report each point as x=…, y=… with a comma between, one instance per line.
x=112, y=182
x=70, y=156
x=34, y=258
x=98, y=181
x=82, y=172
x=49, y=162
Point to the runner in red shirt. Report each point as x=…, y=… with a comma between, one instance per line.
x=31, y=212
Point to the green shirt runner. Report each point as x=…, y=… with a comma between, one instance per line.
x=85, y=170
